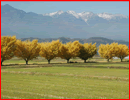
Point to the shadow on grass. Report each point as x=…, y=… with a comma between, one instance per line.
x=25, y=66
x=83, y=65
x=88, y=62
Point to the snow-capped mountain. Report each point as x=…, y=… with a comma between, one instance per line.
x=84, y=15
x=54, y=13
x=111, y=16
x=88, y=15
x=73, y=13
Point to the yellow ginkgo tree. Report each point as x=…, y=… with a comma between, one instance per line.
x=50, y=50
x=69, y=50
x=113, y=50
x=122, y=51
x=106, y=51
x=27, y=50
x=7, y=47
x=87, y=51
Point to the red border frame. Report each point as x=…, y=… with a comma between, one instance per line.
x=61, y=1
x=67, y=0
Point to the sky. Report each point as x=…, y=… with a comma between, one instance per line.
x=78, y=7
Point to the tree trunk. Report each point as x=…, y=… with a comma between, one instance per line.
x=84, y=61
x=1, y=63
x=121, y=59
x=48, y=61
x=107, y=60
x=26, y=62
x=67, y=60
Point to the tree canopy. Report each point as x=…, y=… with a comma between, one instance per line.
x=69, y=50
x=50, y=50
x=87, y=51
x=27, y=50
x=7, y=47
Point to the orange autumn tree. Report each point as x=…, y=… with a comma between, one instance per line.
x=50, y=50
x=69, y=50
x=87, y=51
x=7, y=47
x=27, y=50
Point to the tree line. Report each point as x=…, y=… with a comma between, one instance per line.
x=28, y=50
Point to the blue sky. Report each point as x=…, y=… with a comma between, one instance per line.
x=95, y=7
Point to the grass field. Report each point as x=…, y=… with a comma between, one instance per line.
x=96, y=79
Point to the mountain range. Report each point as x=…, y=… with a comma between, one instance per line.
x=63, y=24
x=86, y=16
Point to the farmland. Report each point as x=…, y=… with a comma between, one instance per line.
x=96, y=79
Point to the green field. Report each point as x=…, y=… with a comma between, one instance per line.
x=96, y=79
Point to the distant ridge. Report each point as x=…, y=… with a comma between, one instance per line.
x=97, y=40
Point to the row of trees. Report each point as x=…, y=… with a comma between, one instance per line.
x=113, y=50
x=28, y=50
